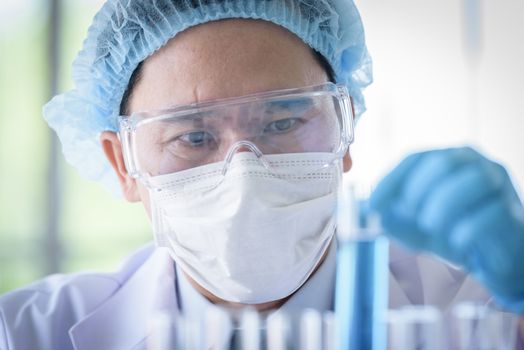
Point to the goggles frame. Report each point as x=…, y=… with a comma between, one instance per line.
x=128, y=125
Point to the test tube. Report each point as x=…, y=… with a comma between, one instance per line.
x=250, y=330
x=278, y=330
x=479, y=327
x=328, y=328
x=218, y=329
x=311, y=330
x=189, y=333
x=161, y=330
x=416, y=327
x=362, y=277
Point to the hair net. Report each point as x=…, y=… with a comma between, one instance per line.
x=125, y=32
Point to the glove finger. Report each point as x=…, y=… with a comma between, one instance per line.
x=481, y=238
x=404, y=231
x=390, y=186
x=459, y=194
x=492, y=246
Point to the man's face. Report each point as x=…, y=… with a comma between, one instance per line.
x=223, y=59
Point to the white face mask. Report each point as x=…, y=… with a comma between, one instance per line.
x=255, y=237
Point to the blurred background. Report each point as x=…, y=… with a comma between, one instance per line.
x=447, y=73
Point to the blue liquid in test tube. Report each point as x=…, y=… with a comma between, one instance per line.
x=362, y=278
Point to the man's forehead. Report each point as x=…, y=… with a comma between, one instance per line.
x=188, y=70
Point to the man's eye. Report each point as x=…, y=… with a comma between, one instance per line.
x=281, y=126
x=196, y=138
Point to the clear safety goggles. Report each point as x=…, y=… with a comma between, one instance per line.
x=301, y=120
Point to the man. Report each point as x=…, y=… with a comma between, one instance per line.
x=235, y=130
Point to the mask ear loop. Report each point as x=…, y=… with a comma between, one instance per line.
x=145, y=179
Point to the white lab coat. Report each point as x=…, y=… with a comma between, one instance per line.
x=111, y=311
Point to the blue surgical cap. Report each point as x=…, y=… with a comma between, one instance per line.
x=125, y=32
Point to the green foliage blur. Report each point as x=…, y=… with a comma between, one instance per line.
x=96, y=230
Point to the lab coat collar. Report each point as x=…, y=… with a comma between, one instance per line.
x=417, y=279
x=121, y=323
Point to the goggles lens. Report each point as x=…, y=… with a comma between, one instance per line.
x=301, y=121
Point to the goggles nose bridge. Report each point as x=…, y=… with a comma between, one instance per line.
x=245, y=146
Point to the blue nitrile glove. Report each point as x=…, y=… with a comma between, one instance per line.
x=463, y=207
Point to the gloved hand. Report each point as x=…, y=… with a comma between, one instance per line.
x=463, y=207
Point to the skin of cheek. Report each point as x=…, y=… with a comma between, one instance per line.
x=144, y=198
x=347, y=162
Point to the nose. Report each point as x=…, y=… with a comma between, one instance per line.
x=235, y=139
x=243, y=146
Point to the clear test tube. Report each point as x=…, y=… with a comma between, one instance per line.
x=161, y=332
x=250, y=330
x=189, y=334
x=311, y=330
x=328, y=331
x=479, y=327
x=417, y=327
x=278, y=331
x=218, y=329
x=362, y=277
